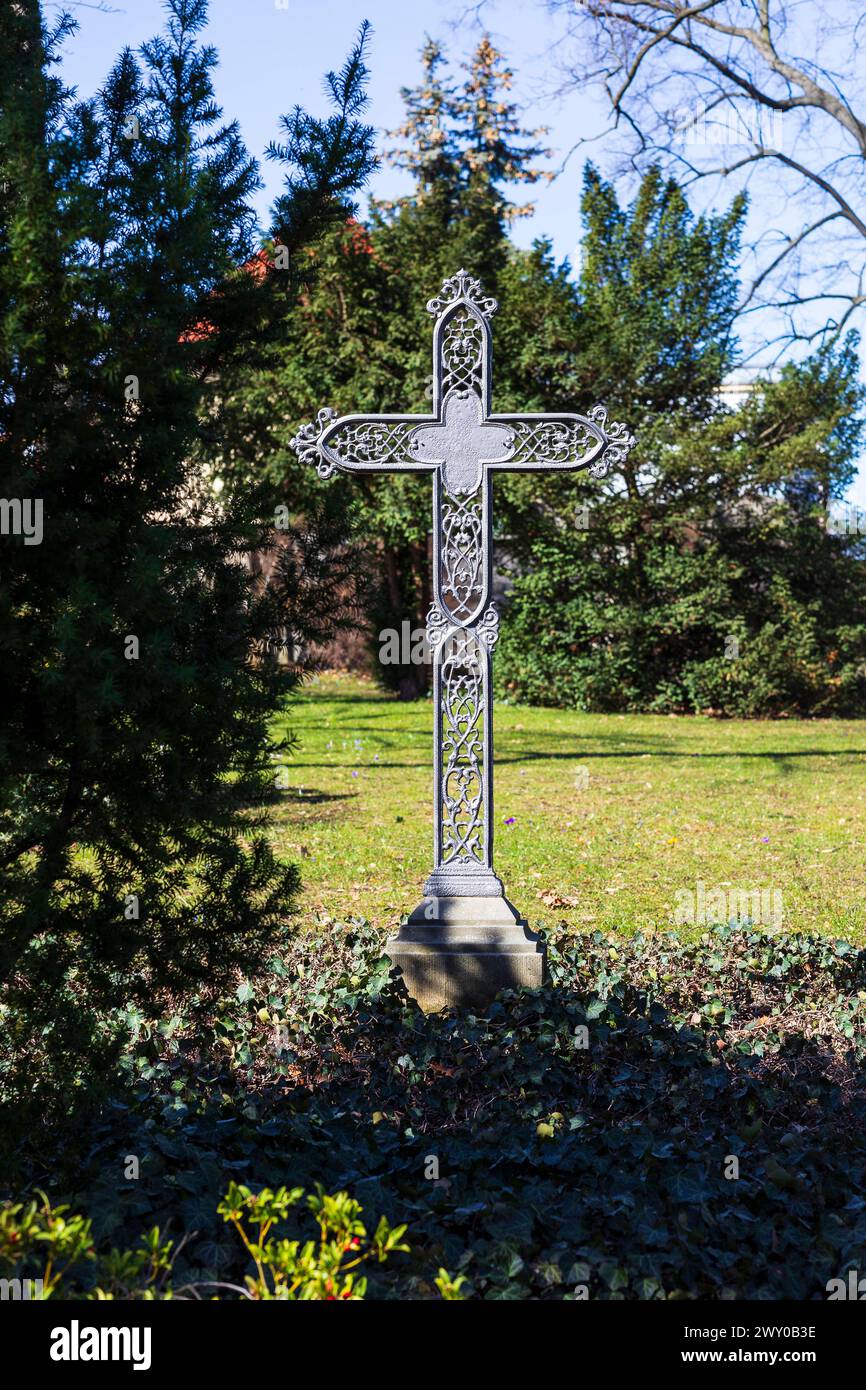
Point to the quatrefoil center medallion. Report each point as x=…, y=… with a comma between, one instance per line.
x=462, y=443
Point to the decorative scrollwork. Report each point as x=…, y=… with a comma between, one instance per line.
x=618, y=442
x=306, y=442
x=463, y=713
x=484, y=634
x=552, y=442
x=462, y=577
x=462, y=286
x=438, y=625
x=373, y=443
x=487, y=630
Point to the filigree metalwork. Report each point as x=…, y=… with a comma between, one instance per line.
x=438, y=627
x=462, y=353
x=359, y=443
x=553, y=444
x=487, y=630
x=462, y=554
x=306, y=441
x=463, y=713
x=618, y=442
x=462, y=286
x=463, y=445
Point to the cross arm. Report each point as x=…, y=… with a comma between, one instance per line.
x=566, y=441
x=361, y=443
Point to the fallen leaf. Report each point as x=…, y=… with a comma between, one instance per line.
x=551, y=898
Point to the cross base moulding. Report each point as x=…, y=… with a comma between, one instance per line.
x=466, y=951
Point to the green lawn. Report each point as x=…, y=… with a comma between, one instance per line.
x=613, y=814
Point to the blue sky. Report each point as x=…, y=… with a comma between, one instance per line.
x=273, y=54
x=273, y=58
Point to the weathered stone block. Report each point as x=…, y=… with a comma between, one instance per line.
x=471, y=948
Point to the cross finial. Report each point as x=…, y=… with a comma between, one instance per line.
x=462, y=286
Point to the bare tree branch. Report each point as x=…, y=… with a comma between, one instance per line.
x=725, y=60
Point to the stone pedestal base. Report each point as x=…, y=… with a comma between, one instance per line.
x=460, y=951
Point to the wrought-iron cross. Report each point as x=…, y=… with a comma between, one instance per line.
x=465, y=940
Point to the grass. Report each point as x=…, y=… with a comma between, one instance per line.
x=613, y=815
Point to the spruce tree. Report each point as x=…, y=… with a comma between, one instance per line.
x=135, y=743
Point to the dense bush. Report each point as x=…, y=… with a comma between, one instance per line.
x=715, y=632
x=702, y=573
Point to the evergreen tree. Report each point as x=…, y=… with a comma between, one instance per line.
x=702, y=574
x=427, y=150
x=135, y=735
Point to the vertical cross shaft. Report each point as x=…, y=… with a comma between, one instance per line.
x=465, y=940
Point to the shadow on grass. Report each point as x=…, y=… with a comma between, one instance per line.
x=300, y=796
x=585, y=755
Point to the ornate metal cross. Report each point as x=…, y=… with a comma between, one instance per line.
x=465, y=940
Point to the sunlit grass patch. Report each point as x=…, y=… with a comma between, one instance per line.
x=601, y=821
